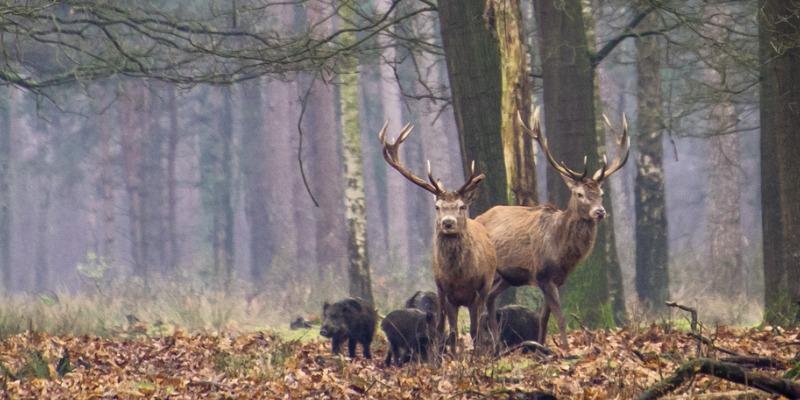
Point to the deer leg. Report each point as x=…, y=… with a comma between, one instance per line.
x=476, y=331
x=551, y=297
x=452, y=321
x=544, y=316
x=498, y=287
x=440, y=340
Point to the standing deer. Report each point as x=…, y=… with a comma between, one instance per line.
x=464, y=259
x=541, y=245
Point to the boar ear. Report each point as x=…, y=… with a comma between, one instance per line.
x=325, y=306
x=354, y=304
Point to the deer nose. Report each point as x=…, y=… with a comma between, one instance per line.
x=448, y=223
x=600, y=213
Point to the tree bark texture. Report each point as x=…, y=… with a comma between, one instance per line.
x=360, y=284
x=473, y=66
x=568, y=85
x=515, y=98
x=652, y=275
x=779, y=28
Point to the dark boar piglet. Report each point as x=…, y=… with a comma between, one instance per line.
x=426, y=301
x=410, y=332
x=352, y=319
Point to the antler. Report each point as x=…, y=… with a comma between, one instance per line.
x=561, y=167
x=472, y=182
x=623, y=150
x=391, y=155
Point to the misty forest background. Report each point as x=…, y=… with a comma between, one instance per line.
x=150, y=154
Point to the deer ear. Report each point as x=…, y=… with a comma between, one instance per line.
x=471, y=195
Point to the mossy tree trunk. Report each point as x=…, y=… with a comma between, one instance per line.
x=568, y=84
x=516, y=97
x=360, y=283
x=652, y=277
x=779, y=48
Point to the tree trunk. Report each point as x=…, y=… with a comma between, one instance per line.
x=106, y=184
x=517, y=91
x=372, y=118
x=652, y=278
x=473, y=66
x=41, y=269
x=779, y=28
x=515, y=98
x=254, y=172
x=131, y=125
x=216, y=178
x=354, y=197
x=173, y=138
x=5, y=189
x=153, y=182
x=568, y=83
x=226, y=187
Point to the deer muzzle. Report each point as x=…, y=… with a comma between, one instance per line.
x=599, y=213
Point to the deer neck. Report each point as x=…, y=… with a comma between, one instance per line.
x=575, y=236
x=451, y=248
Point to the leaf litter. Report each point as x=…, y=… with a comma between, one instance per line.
x=601, y=364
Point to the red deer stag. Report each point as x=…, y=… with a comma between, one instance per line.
x=541, y=245
x=464, y=259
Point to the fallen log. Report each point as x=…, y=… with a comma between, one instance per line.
x=727, y=371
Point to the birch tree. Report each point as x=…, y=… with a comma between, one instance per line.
x=354, y=197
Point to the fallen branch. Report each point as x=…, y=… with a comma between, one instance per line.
x=708, y=342
x=755, y=362
x=727, y=371
x=529, y=345
x=732, y=395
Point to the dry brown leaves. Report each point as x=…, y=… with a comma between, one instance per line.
x=600, y=365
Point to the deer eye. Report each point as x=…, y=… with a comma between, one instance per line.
x=580, y=195
x=462, y=207
x=437, y=207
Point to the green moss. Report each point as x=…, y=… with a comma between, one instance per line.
x=586, y=295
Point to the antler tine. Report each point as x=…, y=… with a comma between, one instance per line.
x=472, y=181
x=585, y=167
x=621, y=156
x=382, y=133
x=436, y=183
x=392, y=157
x=537, y=134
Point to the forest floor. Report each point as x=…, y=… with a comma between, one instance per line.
x=135, y=363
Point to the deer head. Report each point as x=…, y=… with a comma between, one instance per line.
x=451, y=206
x=587, y=192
